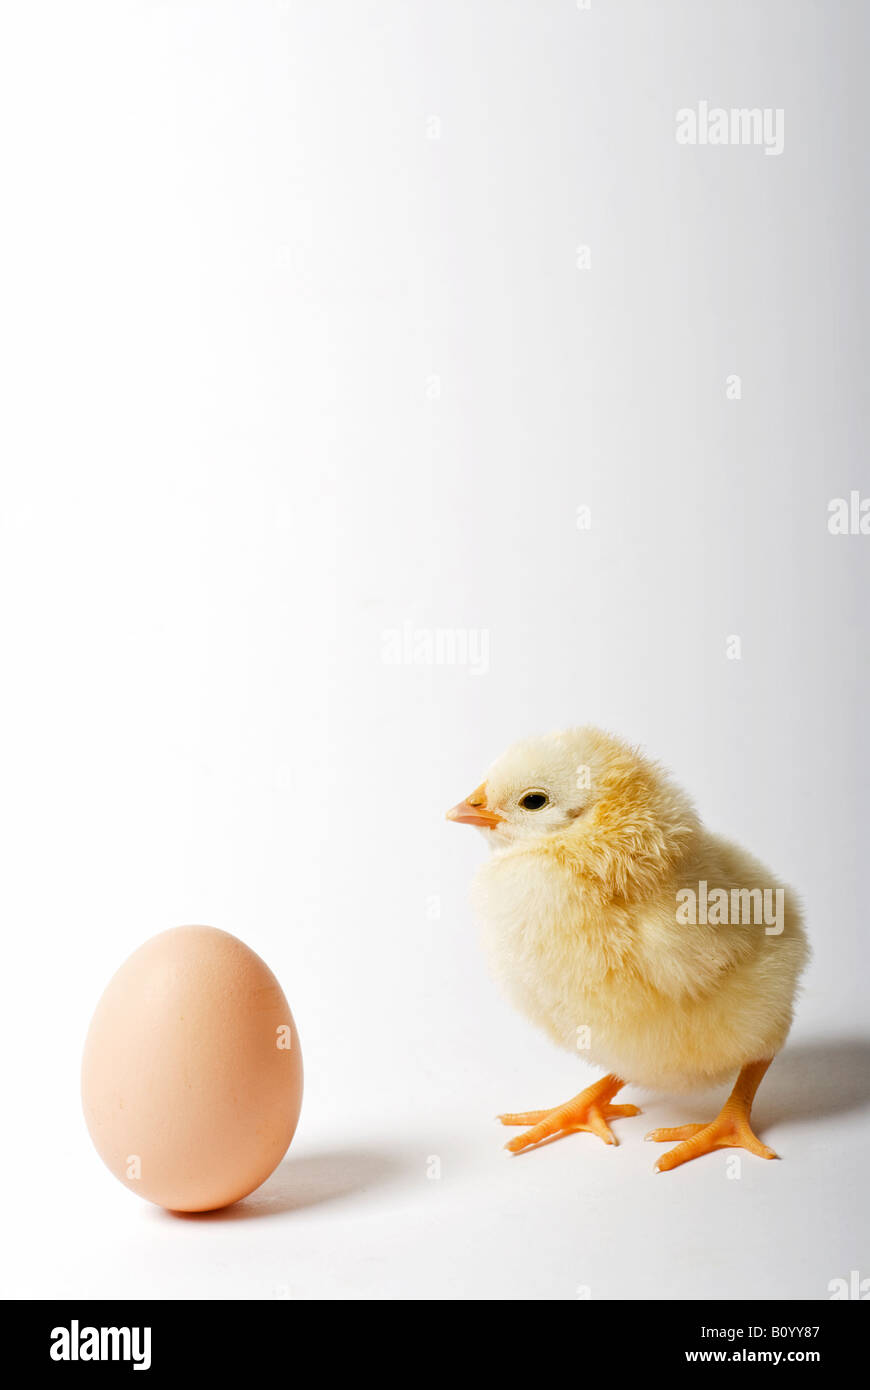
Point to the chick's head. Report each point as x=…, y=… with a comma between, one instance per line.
x=600, y=803
x=538, y=787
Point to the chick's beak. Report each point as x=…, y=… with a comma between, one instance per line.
x=473, y=810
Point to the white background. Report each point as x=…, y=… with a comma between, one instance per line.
x=234, y=260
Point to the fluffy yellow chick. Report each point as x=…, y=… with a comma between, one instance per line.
x=607, y=907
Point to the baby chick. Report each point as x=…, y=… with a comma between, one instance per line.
x=586, y=905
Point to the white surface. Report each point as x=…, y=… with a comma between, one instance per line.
x=352, y=1212
x=233, y=265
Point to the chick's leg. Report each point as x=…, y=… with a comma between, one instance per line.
x=589, y=1111
x=731, y=1128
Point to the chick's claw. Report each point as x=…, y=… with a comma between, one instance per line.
x=556, y=1123
x=589, y=1112
x=731, y=1128
x=704, y=1139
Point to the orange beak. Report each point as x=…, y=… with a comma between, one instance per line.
x=473, y=810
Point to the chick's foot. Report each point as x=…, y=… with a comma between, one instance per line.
x=588, y=1111
x=731, y=1128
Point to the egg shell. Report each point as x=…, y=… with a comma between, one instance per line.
x=192, y=1071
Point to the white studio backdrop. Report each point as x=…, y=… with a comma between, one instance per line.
x=369, y=402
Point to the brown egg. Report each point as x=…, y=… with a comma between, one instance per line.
x=192, y=1071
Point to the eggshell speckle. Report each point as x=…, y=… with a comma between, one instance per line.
x=192, y=1071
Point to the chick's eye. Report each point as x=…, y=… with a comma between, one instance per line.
x=533, y=801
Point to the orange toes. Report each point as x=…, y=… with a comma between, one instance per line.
x=670, y=1136
x=591, y=1110
x=587, y=1112
x=524, y=1117
x=731, y=1128
x=557, y=1123
x=722, y=1133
